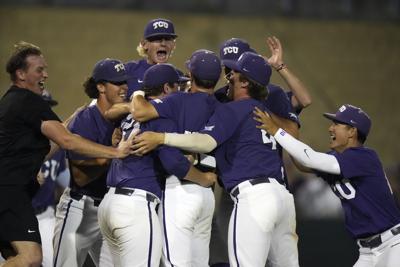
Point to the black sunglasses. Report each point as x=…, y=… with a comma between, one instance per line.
x=118, y=83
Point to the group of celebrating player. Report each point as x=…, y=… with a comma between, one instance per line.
x=144, y=196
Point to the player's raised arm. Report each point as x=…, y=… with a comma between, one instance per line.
x=301, y=97
x=302, y=153
x=141, y=109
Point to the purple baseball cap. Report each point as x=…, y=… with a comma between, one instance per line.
x=159, y=74
x=111, y=70
x=159, y=27
x=232, y=49
x=353, y=116
x=204, y=65
x=253, y=66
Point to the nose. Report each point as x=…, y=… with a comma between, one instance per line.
x=331, y=127
x=45, y=74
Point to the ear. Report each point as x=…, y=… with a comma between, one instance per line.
x=20, y=74
x=353, y=132
x=244, y=84
x=101, y=88
x=166, y=88
x=144, y=43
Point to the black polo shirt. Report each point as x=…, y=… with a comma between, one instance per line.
x=22, y=144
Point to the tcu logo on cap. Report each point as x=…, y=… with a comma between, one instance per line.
x=342, y=108
x=160, y=24
x=231, y=50
x=119, y=67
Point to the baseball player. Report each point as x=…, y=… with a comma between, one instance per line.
x=27, y=123
x=156, y=46
x=281, y=103
x=263, y=222
x=187, y=224
x=77, y=231
x=127, y=214
x=356, y=176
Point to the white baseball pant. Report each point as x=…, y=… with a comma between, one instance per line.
x=186, y=214
x=262, y=225
x=387, y=254
x=131, y=227
x=77, y=233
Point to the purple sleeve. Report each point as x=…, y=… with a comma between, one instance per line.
x=169, y=106
x=83, y=126
x=222, y=123
x=357, y=162
x=172, y=159
x=279, y=104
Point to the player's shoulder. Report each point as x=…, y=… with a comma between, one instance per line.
x=134, y=65
x=161, y=125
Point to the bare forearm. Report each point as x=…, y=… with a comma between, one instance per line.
x=299, y=90
x=194, y=142
x=117, y=111
x=142, y=110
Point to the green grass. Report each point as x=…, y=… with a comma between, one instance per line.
x=340, y=61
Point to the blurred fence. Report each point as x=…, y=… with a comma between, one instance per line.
x=350, y=9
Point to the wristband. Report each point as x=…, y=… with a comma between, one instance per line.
x=138, y=92
x=280, y=67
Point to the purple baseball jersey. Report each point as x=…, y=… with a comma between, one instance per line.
x=90, y=124
x=364, y=192
x=51, y=169
x=149, y=171
x=244, y=152
x=136, y=70
x=278, y=101
x=190, y=111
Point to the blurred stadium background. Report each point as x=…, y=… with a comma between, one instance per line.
x=345, y=51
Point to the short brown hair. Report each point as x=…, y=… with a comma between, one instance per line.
x=18, y=59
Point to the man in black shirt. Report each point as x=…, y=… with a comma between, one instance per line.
x=27, y=123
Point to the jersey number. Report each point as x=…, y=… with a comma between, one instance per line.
x=268, y=139
x=338, y=189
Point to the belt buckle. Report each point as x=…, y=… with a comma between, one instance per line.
x=372, y=243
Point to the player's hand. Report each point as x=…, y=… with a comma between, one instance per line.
x=276, y=58
x=40, y=178
x=116, y=137
x=146, y=142
x=209, y=180
x=125, y=147
x=266, y=121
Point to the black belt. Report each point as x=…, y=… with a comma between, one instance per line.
x=377, y=240
x=255, y=181
x=78, y=196
x=129, y=192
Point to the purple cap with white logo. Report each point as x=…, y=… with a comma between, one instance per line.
x=159, y=27
x=160, y=74
x=232, y=49
x=110, y=70
x=353, y=116
x=253, y=66
x=205, y=65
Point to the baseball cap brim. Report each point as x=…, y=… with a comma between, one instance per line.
x=228, y=61
x=232, y=65
x=332, y=117
x=161, y=35
x=120, y=79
